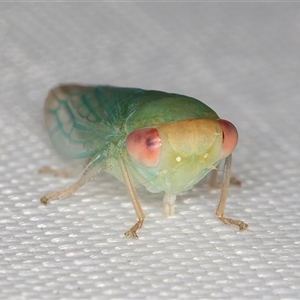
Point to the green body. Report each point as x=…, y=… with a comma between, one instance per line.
x=94, y=123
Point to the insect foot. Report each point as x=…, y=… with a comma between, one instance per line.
x=235, y=181
x=59, y=194
x=46, y=198
x=242, y=226
x=131, y=233
x=54, y=172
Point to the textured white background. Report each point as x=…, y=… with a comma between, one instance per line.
x=243, y=60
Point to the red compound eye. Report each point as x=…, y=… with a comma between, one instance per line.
x=230, y=137
x=143, y=146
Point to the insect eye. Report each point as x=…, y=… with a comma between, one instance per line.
x=143, y=146
x=230, y=137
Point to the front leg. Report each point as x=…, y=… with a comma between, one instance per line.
x=222, y=203
x=134, y=199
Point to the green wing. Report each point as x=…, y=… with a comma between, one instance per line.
x=81, y=120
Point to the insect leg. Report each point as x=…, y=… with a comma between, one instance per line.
x=215, y=184
x=222, y=203
x=134, y=199
x=61, y=172
x=169, y=204
x=213, y=180
x=91, y=169
x=55, y=172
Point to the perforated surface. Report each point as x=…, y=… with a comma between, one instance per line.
x=240, y=59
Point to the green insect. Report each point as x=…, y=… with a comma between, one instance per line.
x=166, y=142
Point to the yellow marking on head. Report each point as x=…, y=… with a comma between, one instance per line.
x=178, y=159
